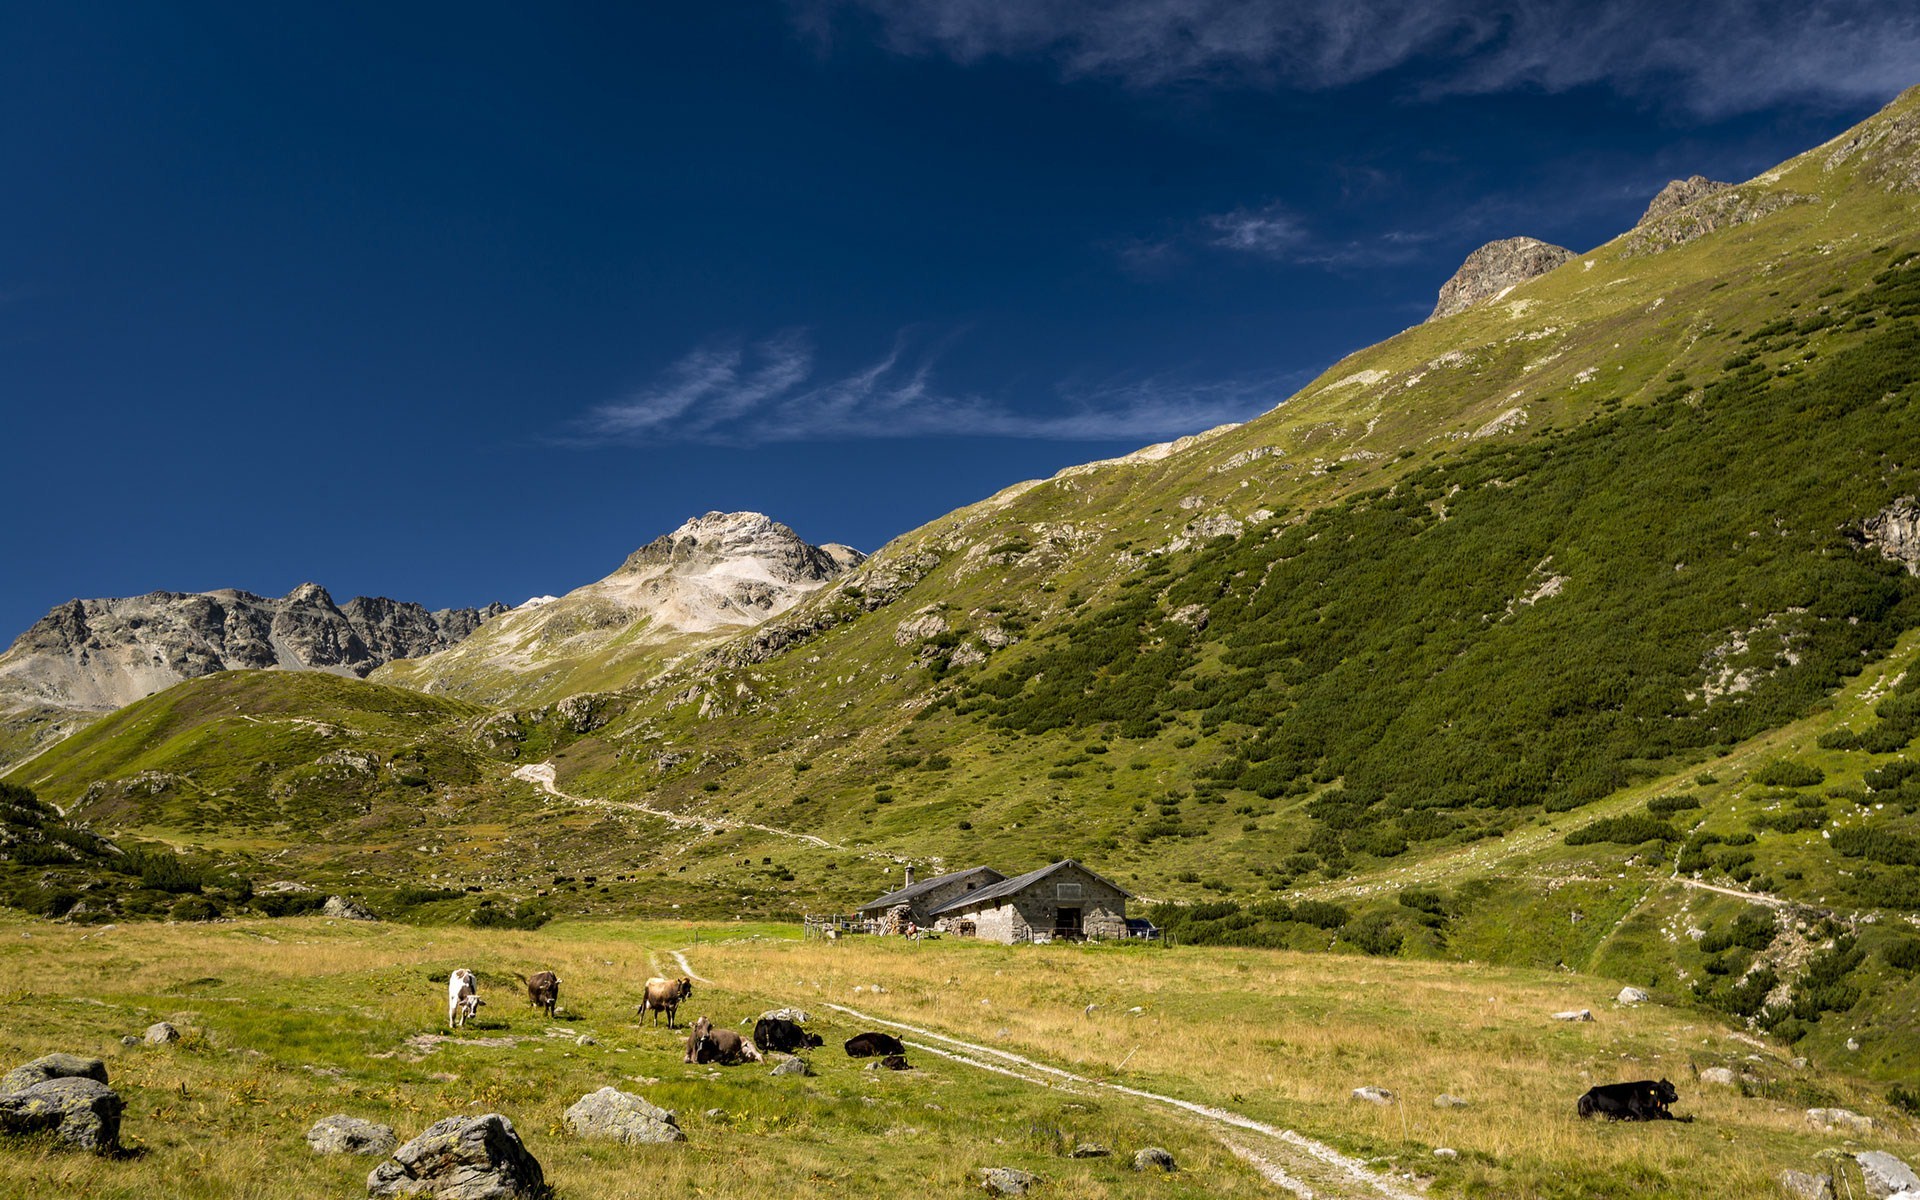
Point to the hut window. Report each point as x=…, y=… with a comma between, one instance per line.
x=1068, y=891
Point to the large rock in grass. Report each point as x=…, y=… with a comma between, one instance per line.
x=80, y=1111
x=462, y=1158
x=1007, y=1181
x=53, y=1066
x=342, y=1134
x=1496, y=269
x=1802, y=1186
x=623, y=1117
x=1840, y=1120
x=1886, y=1175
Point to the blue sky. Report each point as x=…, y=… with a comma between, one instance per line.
x=455, y=303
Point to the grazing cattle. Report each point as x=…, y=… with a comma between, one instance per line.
x=543, y=991
x=777, y=1033
x=896, y=1062
x=463, y=999
x=873, y=1045
x=1641, y=1100
x=664, y=996
x=709, y=1045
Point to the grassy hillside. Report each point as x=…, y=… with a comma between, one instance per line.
x=290, y=1021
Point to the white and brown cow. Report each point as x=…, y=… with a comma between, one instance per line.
x=463, y=999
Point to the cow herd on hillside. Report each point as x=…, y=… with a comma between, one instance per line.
x=706, y=1043
x=1640, y=1100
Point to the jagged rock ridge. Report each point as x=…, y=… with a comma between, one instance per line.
x=1496, y=269
x=1677, y=195
x=97, y=655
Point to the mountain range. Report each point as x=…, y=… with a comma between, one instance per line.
x=1572, y=625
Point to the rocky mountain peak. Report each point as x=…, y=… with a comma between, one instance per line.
x=1496, y=269
x=1677, y=195
x=718, y=541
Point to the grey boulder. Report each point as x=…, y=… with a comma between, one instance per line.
x=1632, y=995
x=343, y=909
x=53, y=1066
x=1839, y=1120
x=1802, y=1186
x=1090, y=1150
x=82, y=1112
x=1445, y=1100
x=1151, y=1158
x=622, y=1117
x=1007, y=1180
x=1724, y=1076
x=342, y=1134
x=1884, y=1174
x=792, y=1066
x=161, y=1032
x=462, y=1158
x=1373, y=1095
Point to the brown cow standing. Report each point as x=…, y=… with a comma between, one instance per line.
x=543, y=991
x=709, y=1045
x=664, y=996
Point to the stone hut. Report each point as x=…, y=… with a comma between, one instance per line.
x=1064, y=901
x=922, y=898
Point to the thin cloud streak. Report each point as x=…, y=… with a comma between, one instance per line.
x=770, y=391
x=1713, y=56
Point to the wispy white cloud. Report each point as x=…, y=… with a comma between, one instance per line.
x=1714, y=56
x=735, y=393
x=1269, y=232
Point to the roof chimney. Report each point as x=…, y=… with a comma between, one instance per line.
x=909, y=882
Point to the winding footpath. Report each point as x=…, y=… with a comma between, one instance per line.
x=544, y=776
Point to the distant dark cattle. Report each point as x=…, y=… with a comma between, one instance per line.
x=1641, y=1100
x=664, y=996
x=873, y=1045
x=705, y=1044
x=543, y=991
x=896, y=1062
x=778, y=1033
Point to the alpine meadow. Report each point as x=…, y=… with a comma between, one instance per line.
x=1527, y=704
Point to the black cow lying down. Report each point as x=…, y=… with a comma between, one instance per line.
x=871, y=1045
x=1641, y=1100
x=778, y=1033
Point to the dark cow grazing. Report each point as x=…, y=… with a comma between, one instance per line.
x=543, y=991
x=705, y=1044
x=777, y=1033
x=664, y=996
x=1641, y=1100
x=873, y=1045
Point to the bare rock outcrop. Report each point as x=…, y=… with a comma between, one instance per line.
x=1709, y=213
x=1885, y=148
x=98, y=655
x=1895, y=532
x=1496, y=269
x=1677, y=195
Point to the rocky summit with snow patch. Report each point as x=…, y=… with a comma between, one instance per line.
x=1496, y=269
x=713, y=576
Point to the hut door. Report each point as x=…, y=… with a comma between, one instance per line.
x=1067, y=924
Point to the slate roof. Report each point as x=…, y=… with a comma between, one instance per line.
x=923, y=886
x=1020, y=883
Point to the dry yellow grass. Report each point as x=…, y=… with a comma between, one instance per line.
x=292, y=1020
